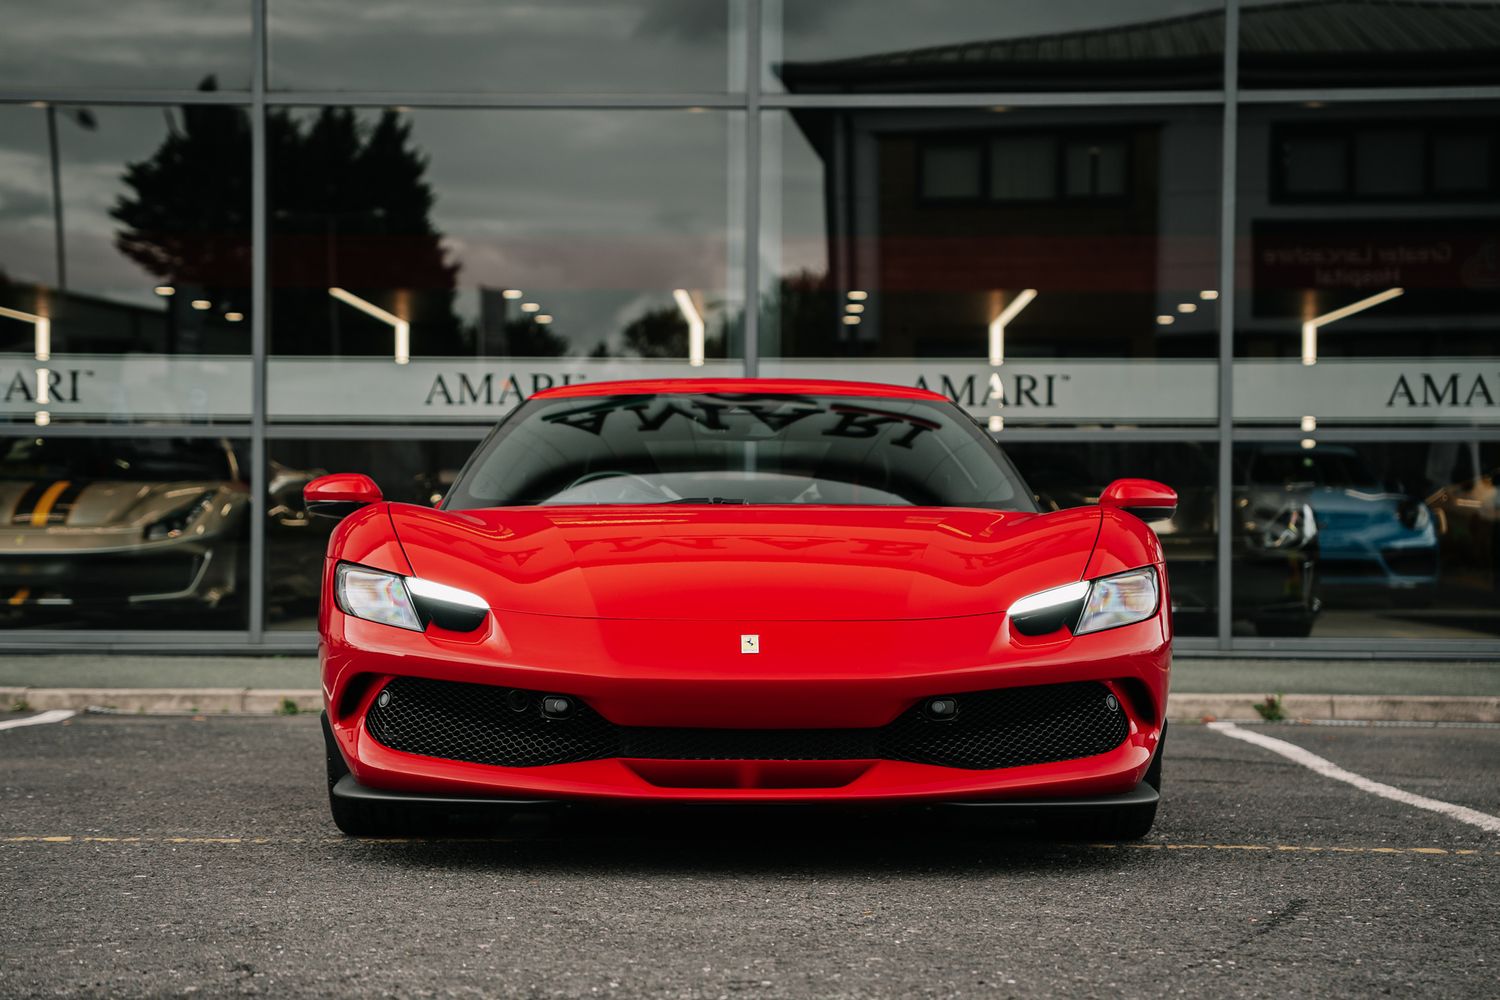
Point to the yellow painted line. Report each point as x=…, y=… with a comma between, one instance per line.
x=44, y=505
x=19, y=597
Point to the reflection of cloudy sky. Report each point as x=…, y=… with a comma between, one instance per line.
x=535, y=46
x=126, y=43
x=92, y=164
x=591, y=213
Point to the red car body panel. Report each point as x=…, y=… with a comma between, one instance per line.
x=861, y=613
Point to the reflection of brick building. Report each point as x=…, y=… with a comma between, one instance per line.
x=948, y=214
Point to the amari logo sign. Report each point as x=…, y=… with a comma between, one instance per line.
x=1443, y=390
x=978, y=392
x=489, y=389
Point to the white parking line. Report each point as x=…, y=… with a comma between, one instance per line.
x=1329, y=769
x=55, y=715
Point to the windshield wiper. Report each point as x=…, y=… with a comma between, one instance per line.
x=706, y=500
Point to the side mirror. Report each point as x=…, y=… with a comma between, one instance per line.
x=340, y=495
x=1145, y=498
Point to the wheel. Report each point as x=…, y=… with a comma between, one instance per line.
x=1121, y=822
x=365, y=819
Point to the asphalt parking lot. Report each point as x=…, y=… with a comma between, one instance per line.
x=173, y=856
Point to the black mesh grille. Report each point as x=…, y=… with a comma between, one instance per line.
x=492, y=725
x=478, y=723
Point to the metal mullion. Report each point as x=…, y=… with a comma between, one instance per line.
x=1365, y=434
x=378, y=432
x=750, y=328
x=1228, y=178
x=1022, y=99
x=104, y=97
x=117, y=640
x=258, y=317
x=1346, y=95
x=503, y=101
x=117, y=430
x=1023, y=435
x=1374, y=647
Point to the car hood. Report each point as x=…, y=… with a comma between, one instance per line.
x=748, y=564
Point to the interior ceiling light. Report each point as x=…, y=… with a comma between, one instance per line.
x=1187, y=307
x=202, y=305
x=998, y=324
x=401, y=327
x=41, y=328
x=1208, y=294
x=511, y=293
x=858, y=296
x=689, y=310
x=234, y=317
x=1165, y=320
x=1310, y=327
x=851, y=321
x=543, y=319
x=530, y=307
x=164, y=290
x=854, y=307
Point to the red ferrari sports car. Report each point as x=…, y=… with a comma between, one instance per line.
x=743, y=591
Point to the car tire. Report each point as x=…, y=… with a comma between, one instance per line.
x=1122, y=822
x=365, y=819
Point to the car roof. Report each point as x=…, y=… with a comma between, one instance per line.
x=776, y=386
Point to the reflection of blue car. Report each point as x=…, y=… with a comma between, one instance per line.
x=1369, y=537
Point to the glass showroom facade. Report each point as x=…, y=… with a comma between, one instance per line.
x=1250, y=249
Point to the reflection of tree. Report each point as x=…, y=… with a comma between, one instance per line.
x=660, y=333
x=187, y=216
x=349, y=208
x=807, y=316
x=527, y=339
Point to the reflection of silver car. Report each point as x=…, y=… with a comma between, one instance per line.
x=110, y=522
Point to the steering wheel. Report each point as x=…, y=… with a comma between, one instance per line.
x=653, y=492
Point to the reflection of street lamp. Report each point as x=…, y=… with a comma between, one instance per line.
x=401, y=326
x=695, y=325
x=42, y=326
x=85, y=118
x=997, y=325
x=1310, y=327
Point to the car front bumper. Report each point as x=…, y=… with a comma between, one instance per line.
x=691, y=675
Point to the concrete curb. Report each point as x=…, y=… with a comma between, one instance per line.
x=1344, y=707
x=1181, y=707
x=166, y=701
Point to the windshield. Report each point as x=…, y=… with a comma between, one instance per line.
x=739, y=448
x=1315, y=467
x=140, y=460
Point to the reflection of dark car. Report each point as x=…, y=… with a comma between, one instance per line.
x=1468, y=526
x=109, y=522
x=1370, y=538
x=1275, y=540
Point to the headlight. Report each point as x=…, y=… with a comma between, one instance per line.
x=406, y=602
x=375, y=596
x=1088, y=606
x=177, y=522
x=1123, y=599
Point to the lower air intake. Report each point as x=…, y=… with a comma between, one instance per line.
x=1010, y=727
